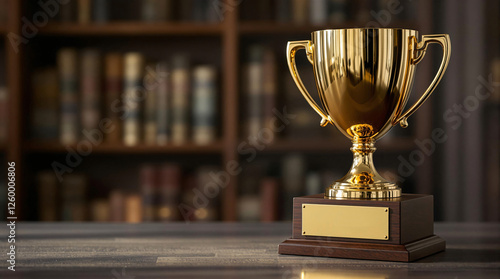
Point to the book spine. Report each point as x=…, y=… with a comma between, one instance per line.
x=162, y=105
x=100, y=9
x=204, y=104
x=155, y=10
x=293, y=168
x=90, y=88
x=203, y=181
x=300, y=11
x=67, y=11
x=151, y=87
x=116, y=206
x=133, y=208
x=74, y=204
x=199, y=11
x=319, y=12
x=47, y=196
x=254, y=91
x=44, y=119
x=268, y=200
x=133, y=70
x=169, y=192
x=313, y=183
x=180, y=100
x=84, y=11
x=283, y=10
x=113, y=89
x=338, y=11
x=100, y=210
x=3, y=114
x=148, y=190
x=67, y=66
x=269, y=88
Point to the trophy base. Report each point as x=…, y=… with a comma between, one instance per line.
x=397, y=229
x=364, y=251
x=370, y=191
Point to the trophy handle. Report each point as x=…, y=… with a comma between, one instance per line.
x=291, y=49
x=444, y=41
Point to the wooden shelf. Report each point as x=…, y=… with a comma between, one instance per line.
x=132, y=29
x=215, y=148
x=337, y=145
x=3, y=29
x=272, y=27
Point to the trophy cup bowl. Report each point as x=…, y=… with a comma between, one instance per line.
x=364, y=78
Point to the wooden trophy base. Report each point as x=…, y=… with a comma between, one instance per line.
x=399, y=229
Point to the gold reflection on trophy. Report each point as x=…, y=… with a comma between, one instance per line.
x=364, y=79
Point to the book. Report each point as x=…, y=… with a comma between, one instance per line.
x=248, y=192
x=253, y=88
x=100, y=210
x=269, y=92
x=300, y=11
x=74, y=194
x=67, y=63
x=113, y=88
x=200, y=10
x=148, y=187
x=150, y=106
x=4, y=114
x=204, y=105
x=116, y=206
x=90, y=89
x=206, y=194
x=314, y=184
x=318, y=12
x=338, y=11
x=68, y=10
x=283, y=11
x=84, y=11
x=293, y=175
x=169, y=191
x=156, y=10
x=180, y=99
x=48, y=198
x=100, y=11
x=163, y=92
x=45, y=117
x=249, y=208
x=269, y=199
x=133, y=208
x=132, y=79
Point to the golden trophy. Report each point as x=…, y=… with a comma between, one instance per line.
x=364, y=78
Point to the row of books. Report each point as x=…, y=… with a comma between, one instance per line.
x=264, y=84
x=264, y=197
x=319, y=12
x=164, y=193
x=125, y=99
x=101, y=11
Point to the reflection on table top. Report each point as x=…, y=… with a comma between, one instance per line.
x=226, y=250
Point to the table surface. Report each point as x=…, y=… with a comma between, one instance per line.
x=225, y=250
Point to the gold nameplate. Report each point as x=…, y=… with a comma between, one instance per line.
x=367, y=222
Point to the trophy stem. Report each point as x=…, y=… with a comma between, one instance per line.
x=363, y=181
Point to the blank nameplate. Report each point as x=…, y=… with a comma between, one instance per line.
x=365, y=222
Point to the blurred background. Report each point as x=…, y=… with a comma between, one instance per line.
x=169, y=110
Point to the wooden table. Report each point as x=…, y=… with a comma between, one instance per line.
x=225, y=250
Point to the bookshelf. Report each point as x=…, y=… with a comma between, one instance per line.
x=232, y=36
